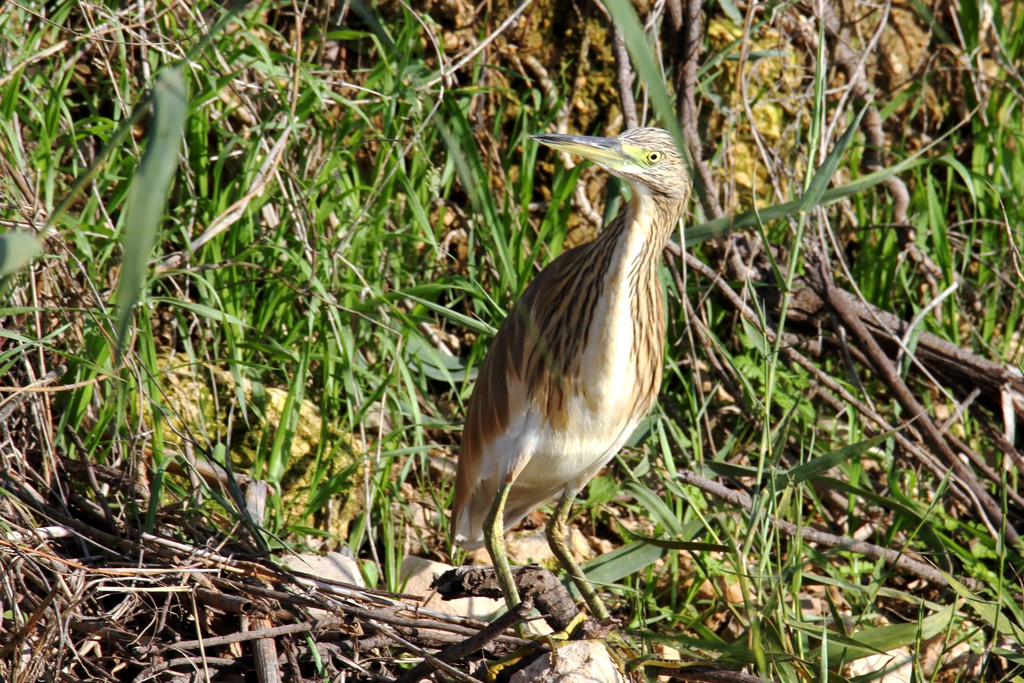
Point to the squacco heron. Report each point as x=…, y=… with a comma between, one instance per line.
x=576, y=365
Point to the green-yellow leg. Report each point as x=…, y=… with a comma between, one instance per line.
x=494, y=539
x=556, y=531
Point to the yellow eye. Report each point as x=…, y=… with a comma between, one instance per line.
x=653, y=157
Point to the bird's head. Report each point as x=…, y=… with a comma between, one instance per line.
x=645, y=158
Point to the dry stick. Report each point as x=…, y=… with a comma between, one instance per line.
x=246, y=636
x=424, y=630
x=8, y=404
x=792, y=354
x=351, y=663
x=29, y=198
x=986, y=505
x=264, y=650
x=687, y=105
x=707, y=674
x=90, y=475
x=214, y=662
x=383, y=615
x=871, y=551
x=256, y=571
x=479, y=641
x=704, y=335
x=624, y=72
x=539, y=584
x=30, y=623
x=443, y=666
x=1005, y=445
x=675, y=13
x=232, y=604
x=423, y=638
x=933, y=351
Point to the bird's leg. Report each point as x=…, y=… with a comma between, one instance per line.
x=494, y=539
x=556, y=531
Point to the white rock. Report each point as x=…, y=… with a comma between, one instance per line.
x=418, y=573
x=892, y=667
x=332, y=566
x=525, y=547
x=578, y=661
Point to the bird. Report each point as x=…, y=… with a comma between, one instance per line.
x=577, y=363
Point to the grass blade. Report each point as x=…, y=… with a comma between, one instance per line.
x=808, y=470
x=621, y=562
x=819, y=183
x=748, y=219
x=148, y=194
x=17, y=248
x=624, y=16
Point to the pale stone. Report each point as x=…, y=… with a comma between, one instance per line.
x=579, y=661
x=332, y=566
x=532, y=546
x=417, y=574
x=529, y=546
x=891, y=667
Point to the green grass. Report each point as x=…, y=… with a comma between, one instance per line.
x=378, y=224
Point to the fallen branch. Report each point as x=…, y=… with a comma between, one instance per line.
x=894, y=558
x=536, y=583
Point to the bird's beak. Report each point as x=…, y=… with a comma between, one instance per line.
x=606, y=152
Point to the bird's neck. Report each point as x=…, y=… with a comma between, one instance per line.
x=628, y=320
x=647, y=218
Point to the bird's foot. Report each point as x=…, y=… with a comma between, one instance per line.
x=554, y=639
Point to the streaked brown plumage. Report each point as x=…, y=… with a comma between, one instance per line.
x=577, y=363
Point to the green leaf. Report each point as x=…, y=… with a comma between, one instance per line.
x=601, y=490
x=880, y=639
x=813, y=468
x=669, y=544
x=17, y=248
x=619, y=563
x=754, y=336
x=733, y=13
x=987, y=610
x=201, y=310
x=148, y=194
x=836, y=638
x=471, y=324
x=650, y=72
x=820, y=182
x=654, y=505
x=436, y=365
x=699, y=234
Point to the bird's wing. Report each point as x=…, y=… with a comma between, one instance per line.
x=519, y=374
